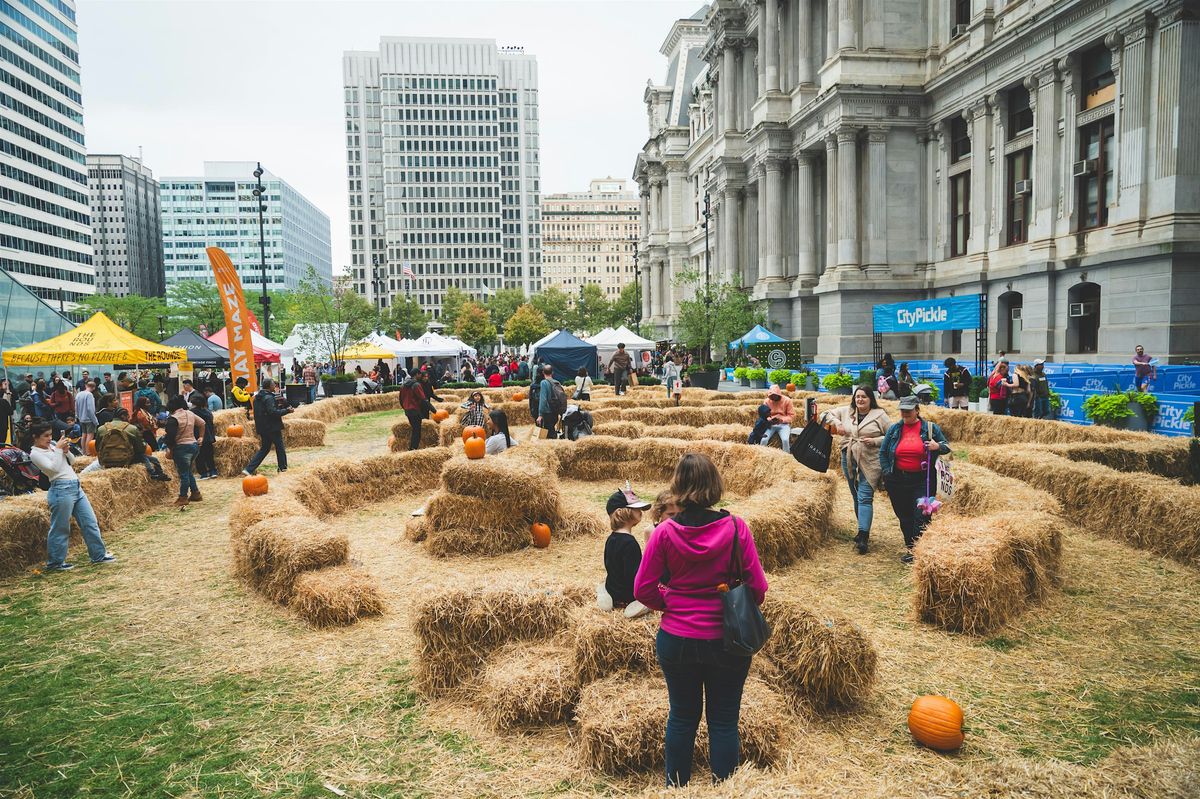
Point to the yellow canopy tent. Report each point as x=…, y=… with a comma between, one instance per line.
x=365, y=351
x=98, y=340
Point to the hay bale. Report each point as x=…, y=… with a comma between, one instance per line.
x=823, y=661
x=984, y=429
x=973, y=574
x=230, y=416
x=416, y=529
x=789, y=520
x=458, y=525
x=303, y=433
x=1165, y=457
x=518, y=488
x=402, y=430
x=274, y=553
x=621, y=723
x=81, y=462
x=580, y=523
x=457, y=630
x=606, y=644
x=336, y=596
x=979, y=491
x=336, y=486
x=528, y=686
x=24, y=522
x=232, y=454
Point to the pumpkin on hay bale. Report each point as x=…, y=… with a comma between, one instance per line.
x=528, y=686
x=235, y=431
x=621, y=724
x=402, y=431
x=255, y=485
x=336, y=596
x=823, y=661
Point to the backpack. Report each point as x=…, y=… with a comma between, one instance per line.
x=882, y=385
x=558, y=397
x=114, y=448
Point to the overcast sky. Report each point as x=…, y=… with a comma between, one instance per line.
x=207, y=80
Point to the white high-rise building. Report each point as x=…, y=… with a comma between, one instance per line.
x=442, y=169
x=590, y=237
x=126, y=226
x=219, y=209
x=45, y=229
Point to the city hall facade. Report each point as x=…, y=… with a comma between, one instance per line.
x=857, y=152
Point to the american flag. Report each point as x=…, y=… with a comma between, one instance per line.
x=406, y=269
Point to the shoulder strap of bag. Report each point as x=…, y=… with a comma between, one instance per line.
x=737, y=570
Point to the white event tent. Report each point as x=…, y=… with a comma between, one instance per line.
x=606, y=342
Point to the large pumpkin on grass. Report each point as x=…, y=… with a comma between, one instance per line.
x=92, y=447
x=541, y=534
x=254, y=486
x=474, y=431
x=936, y=722
x=235, y=431
x=475, y=448
x=441, y=416
x=518, y=396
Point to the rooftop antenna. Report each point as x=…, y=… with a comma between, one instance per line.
x=139, y=153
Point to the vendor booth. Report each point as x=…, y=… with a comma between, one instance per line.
x=640, y=349
x=567, y=354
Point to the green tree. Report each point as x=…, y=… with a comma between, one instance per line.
x=715, y=316
x=592, y=310
x=339, y=316
x=503, y=304
x=625, y=309
x=555, y=306
x=405, y=318
x=473, y=325
x=191, y=303
x=452, y=303
x=525, y=326
x=139, y=315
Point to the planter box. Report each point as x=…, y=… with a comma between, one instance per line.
x=810, y=384
x=1138, y=422
x=296, y=394
x=845, y=390
x=707, y=380
x=758, y=383
x=333, y=389
x=745, y=381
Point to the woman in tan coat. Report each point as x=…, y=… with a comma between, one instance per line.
x=862, y=425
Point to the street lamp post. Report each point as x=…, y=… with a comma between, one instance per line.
x=162, y=328
x=378, y=286
x=637, y=288
x=707, y=278
x=259, y=192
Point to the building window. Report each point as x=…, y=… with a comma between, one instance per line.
x=960, y=141
x=1020, y=195
x=1083, y=318
x=1097, y=81
x=1096, y=173
x=960, y=213
x=962, y=14
x=1010, y=322
x=1020, y=113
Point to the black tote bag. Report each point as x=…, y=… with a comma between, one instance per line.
x=813, y=447
x=745, y=629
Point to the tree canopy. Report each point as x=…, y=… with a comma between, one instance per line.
x=525, y=326
x=555, y=305
x=451, y=304
x=473, y=326
x=192, y=303
x=503, y=304
x=139, y=315
x=716, y=315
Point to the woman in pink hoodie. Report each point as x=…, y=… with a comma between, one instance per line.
x=686, y=564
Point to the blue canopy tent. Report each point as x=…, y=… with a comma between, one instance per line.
x=567, y=354
x=757, y=335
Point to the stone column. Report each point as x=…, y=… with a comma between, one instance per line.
x=998, y=223
x=806, y=237
x=848, y=243
x=657, y=293
x=804, y=54
x=729, y=85
x=876, y=206
x=1043, y=96
x=925, y=201
x=1133, y=87
x=732, y=209
x=978, y=118
x=831, y=29
x=645, y=280
x=644, y=194
x=848, y=17
x=1069, y=153
x=831, y=203
x=760, y=60
x=656, y=186
x=940, y=156
x=771, y=43
x=769, y=216
x=672, y=212
x=749, y=87
x=751, y=268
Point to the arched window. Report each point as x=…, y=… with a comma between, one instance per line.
x=1083, y=318
x=1008, y=327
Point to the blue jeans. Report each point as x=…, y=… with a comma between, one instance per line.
x=701, y=676
x=312, y=393
x=267, y=441
x=864, y=498
x=1041, y=407
x=184, y=455
x=784, y=431
x=66, y=499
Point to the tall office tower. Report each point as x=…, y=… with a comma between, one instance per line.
x=590, y=237
x=218, y=209
x=442, y=154
x=126, y=226
x=45, y=230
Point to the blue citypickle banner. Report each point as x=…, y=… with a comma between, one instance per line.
x=943, y=313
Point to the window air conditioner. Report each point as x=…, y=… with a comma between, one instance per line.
x=1016, y=314
x=1024, y=187
x=1084, y=168
x=959, y=30
x=1081, y=309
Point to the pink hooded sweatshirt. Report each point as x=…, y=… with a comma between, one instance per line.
x=697, y=560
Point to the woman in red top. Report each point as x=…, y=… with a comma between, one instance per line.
x=907, y=457
x=998, y=388
x=496, y=380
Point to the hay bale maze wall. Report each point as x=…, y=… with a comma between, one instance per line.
x=431, y=435
x=1141, y=510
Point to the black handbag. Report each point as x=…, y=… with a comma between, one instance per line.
x=745, y=629
x=813, y=447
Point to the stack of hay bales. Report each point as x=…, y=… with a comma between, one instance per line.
x=232, y=454
x=231, y=416
x=983, y=429
x=1165, y=457
x=24, y=522
x=333, y=487
x=299, y=433
x=990, y=553
x=431, y=435
x=733, y=433
x=1142, y=510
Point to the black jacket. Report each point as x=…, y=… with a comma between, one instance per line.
x=210, y=432
x=268, y=419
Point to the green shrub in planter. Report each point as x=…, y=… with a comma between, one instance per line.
x=1190, y=414
x=837, y=381
x=343, y=378
x=756, y=374
x=779, y=377
x=739, y=373
x=703, y=367
x=1055, y=402
x=1113, y=409
x=648, y=380
x=868, y=377
x=979, y=388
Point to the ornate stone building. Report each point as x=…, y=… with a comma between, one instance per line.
x=856, y=152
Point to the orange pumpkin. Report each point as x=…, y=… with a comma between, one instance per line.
x=541, y=534
x=92, y=447
x=936, y=722
x=518, y=396
x=791, y=386
x=474, y=431
x=441, y=416
x=235, y=431
x=148, y=450
x=475, y=448
x=254, y=486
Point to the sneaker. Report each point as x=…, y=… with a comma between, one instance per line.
x=62, y=567
x=907, y=557
x=860, y=542
x=161, y=478
x=281, y=471
x=246, y=473
x=196, y=497
x=203, y=477
x=213, y=476
x=108, y=558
